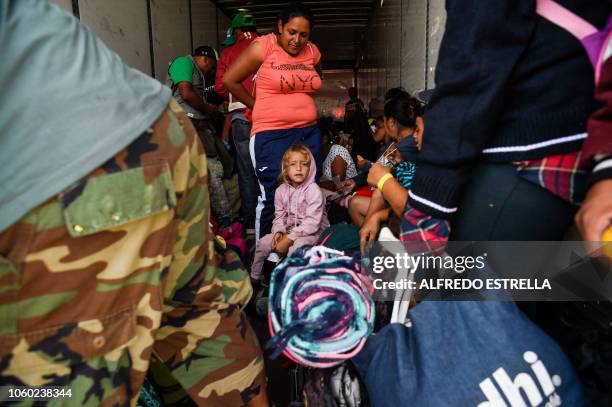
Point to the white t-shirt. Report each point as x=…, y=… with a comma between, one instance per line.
x=334, y=151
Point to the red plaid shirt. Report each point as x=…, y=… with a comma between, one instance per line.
x=560, y=174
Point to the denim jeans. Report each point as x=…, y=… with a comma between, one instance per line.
x=247, y=181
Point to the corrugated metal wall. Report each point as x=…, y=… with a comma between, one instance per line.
x=147, y=34
x=170, y=32
x=333, y=95
x=400, y=47
x=123, y=26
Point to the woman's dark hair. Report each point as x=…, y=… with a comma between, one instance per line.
x=395, y=92
x=296, y=10
x=405, y=109
x=338, y=138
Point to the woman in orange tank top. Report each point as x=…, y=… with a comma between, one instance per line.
x=287, y=68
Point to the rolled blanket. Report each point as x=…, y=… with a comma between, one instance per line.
x=320, y=311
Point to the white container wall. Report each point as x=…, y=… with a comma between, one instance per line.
x=333, y=95
x=435, y=31
x=223, y=23
x=401, y=47
x=123, y=26
x=204, y=20
x=171, y=32
x=147, y=34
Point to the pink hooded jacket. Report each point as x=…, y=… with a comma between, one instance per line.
x=300, y=211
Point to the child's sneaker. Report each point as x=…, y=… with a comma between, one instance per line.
x=274, y=257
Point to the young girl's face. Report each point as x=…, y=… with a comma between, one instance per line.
x=298, y=167
x=346, y=142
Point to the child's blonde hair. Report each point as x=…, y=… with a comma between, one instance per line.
x=295, y=148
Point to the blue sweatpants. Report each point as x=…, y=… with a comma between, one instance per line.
x=267, y=149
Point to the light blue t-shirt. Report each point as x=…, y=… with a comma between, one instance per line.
x=67, y=104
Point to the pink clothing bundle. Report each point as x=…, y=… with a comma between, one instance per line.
x=234, y=230
x=299, y=212
x=284, y=86
x=234, y=237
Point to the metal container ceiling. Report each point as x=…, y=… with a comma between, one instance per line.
x=339, y=25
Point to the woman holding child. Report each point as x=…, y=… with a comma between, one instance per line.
x=288, y=68
x=404, y=124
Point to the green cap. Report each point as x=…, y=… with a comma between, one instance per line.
x=240, y=20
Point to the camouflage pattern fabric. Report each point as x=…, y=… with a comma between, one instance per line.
x=120, y=270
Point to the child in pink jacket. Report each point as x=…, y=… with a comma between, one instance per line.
x=299, y=205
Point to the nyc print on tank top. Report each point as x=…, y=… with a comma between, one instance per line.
x=284, y=87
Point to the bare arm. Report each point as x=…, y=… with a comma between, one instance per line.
x=595, y=214
x=392, y=191
x=377, y=203
x=396, y=195
x=327, y=184
x=247, y=63
x=338, y=168
x=191, y=97
x=371, y=226
x=227, y=126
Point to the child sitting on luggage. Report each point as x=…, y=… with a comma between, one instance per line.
x=299, y=209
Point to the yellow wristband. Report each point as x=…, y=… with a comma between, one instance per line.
x=607, y=235
x=382, y=180
x=607, y=241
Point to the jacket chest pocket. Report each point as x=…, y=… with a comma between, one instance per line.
x=115, y=199
x=89, y=332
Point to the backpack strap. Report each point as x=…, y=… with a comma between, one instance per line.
x=559, y=15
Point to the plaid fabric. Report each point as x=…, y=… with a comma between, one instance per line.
x=423, y=233
x=560, y=174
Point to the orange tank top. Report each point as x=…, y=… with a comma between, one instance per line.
x=284, y=86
